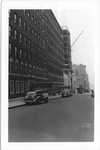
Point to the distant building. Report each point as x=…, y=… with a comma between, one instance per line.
x=35, y=50
x=80, y=77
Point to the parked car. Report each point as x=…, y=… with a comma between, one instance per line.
x=92, y=93
x=36, y=96
x=66, y=93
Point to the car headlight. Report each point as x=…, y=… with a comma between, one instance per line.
x=26, y=97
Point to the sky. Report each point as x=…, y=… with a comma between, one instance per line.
x=78, y=20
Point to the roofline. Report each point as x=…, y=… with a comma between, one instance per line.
x=56, y=19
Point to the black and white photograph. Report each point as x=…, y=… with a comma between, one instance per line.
x=50, y=57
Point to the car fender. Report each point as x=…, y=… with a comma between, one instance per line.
x=37, y=98
x=45, y=95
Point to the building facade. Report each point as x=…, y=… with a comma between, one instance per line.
x=80, y=77
x=67, y=56
x=35, y=50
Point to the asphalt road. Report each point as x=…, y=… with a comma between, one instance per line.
x=60, y=120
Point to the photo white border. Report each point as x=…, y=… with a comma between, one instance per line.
x=6, y=5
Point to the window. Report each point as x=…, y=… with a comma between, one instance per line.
x=28, y=13
x=20, y=53
x=35, y=21
x=29, y=42
x=43, y=31
x=37, y=12
x=15, y=34
x=10, y=30
x=24, y=25
x=26, y=68
x=25, y=40
x=26, y=86
x=20, y=38
x=9, y=48
x=30, y=70
x=40, y=17
x=25, y=54
x=43, y=41
x=35, y=34
x=11, y=65
x=21, y=67
x=17, y=87
x=38, y=49
x=15, y=51
x=32, y=31
x=16, y=66
x=11, y=87
x=20, y=22
x=38, y=37
x=22, y=86
x=29, y=28
x=42, y=20
x=29, y=56
x=33, y=70
x=32, y=18
x=38, y=25
x=15, y=17
x=47, y=40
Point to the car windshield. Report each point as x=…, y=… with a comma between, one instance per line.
x=30, y=93
x=39, y=92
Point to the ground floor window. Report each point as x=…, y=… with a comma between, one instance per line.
x=11, y=87
x=22, y=86
x=17, y=87
x=26, y=86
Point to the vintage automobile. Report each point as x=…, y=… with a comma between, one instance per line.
x=36, y=96
x=65, y=93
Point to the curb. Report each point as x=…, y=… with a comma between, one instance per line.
x=20, y=105
x=16, y=106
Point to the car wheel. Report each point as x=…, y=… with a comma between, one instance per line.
x=39, y=101
x=46, y=101
x=27, y=103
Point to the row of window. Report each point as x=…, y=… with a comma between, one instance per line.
x=28, y=15
x=56, y=32
x=55, y=38
x=17, y=87
x=53, y=53
x=24, y=25
x=21, y=54
x=23, y=39
x=20, y=87
x=55, y=78
x=55, y=70
x=27, y=70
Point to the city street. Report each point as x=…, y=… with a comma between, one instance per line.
x=69, y=119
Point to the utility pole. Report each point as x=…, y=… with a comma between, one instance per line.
x=77, y=38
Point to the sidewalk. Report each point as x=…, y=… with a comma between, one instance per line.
x=17, y=102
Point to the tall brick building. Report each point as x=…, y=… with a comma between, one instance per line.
x=35, y=50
